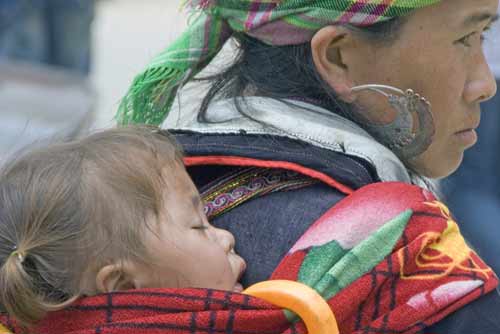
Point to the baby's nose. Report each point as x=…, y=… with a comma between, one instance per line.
x=226, y=239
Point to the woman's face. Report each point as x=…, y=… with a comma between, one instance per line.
x=439, y=55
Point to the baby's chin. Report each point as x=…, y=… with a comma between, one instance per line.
x=238, y=288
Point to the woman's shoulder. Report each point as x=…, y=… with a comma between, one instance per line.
x=242, y=149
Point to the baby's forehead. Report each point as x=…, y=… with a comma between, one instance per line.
x=177, y=179
x=182, y=203
x=173, y=171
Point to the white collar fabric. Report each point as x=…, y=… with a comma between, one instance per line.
x=302, y=121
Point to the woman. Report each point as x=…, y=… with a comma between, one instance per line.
x=474, y=189
x=297, y=95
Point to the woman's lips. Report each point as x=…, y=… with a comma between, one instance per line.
x=467, y=137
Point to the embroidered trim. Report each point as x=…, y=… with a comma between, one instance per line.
x=247, y=183
x=242, y=161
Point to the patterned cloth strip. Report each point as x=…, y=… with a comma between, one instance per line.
x=245, y=184
x=388, y=259
x=213, y=22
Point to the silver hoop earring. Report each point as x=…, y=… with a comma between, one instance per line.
x=399, y=135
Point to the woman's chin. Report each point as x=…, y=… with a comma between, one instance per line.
x=437, y=167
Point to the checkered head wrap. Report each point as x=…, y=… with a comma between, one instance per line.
x=275, y=22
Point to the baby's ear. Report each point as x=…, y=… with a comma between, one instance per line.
x=116, y=277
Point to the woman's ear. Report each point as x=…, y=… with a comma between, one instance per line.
x=116, y=277
x=328, y=46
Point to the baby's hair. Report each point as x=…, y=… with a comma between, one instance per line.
x=69, y=208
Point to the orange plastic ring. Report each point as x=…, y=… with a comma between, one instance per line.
x=300, y=299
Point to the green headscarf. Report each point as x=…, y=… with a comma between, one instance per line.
x=275, y=22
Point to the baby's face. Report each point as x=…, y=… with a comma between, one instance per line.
x=187, y=251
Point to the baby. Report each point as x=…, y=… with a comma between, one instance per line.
x=113, y=211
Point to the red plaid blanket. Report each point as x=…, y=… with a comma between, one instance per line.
x=388, y=259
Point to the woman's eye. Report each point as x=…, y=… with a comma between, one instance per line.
x=200, y=227
x=466, y=40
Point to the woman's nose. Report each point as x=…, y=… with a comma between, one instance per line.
x=482, y=85
x=481, y=90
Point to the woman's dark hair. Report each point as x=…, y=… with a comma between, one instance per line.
x=284, y=71
x=69, y=208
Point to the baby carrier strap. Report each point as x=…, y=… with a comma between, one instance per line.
x=389, y=258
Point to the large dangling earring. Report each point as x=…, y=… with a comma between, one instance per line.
x=400, y=135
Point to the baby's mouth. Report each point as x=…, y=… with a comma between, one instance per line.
x=238, y=288
x=242, y=270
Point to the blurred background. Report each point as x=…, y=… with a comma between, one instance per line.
x=65, y=63
x=127, y=34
